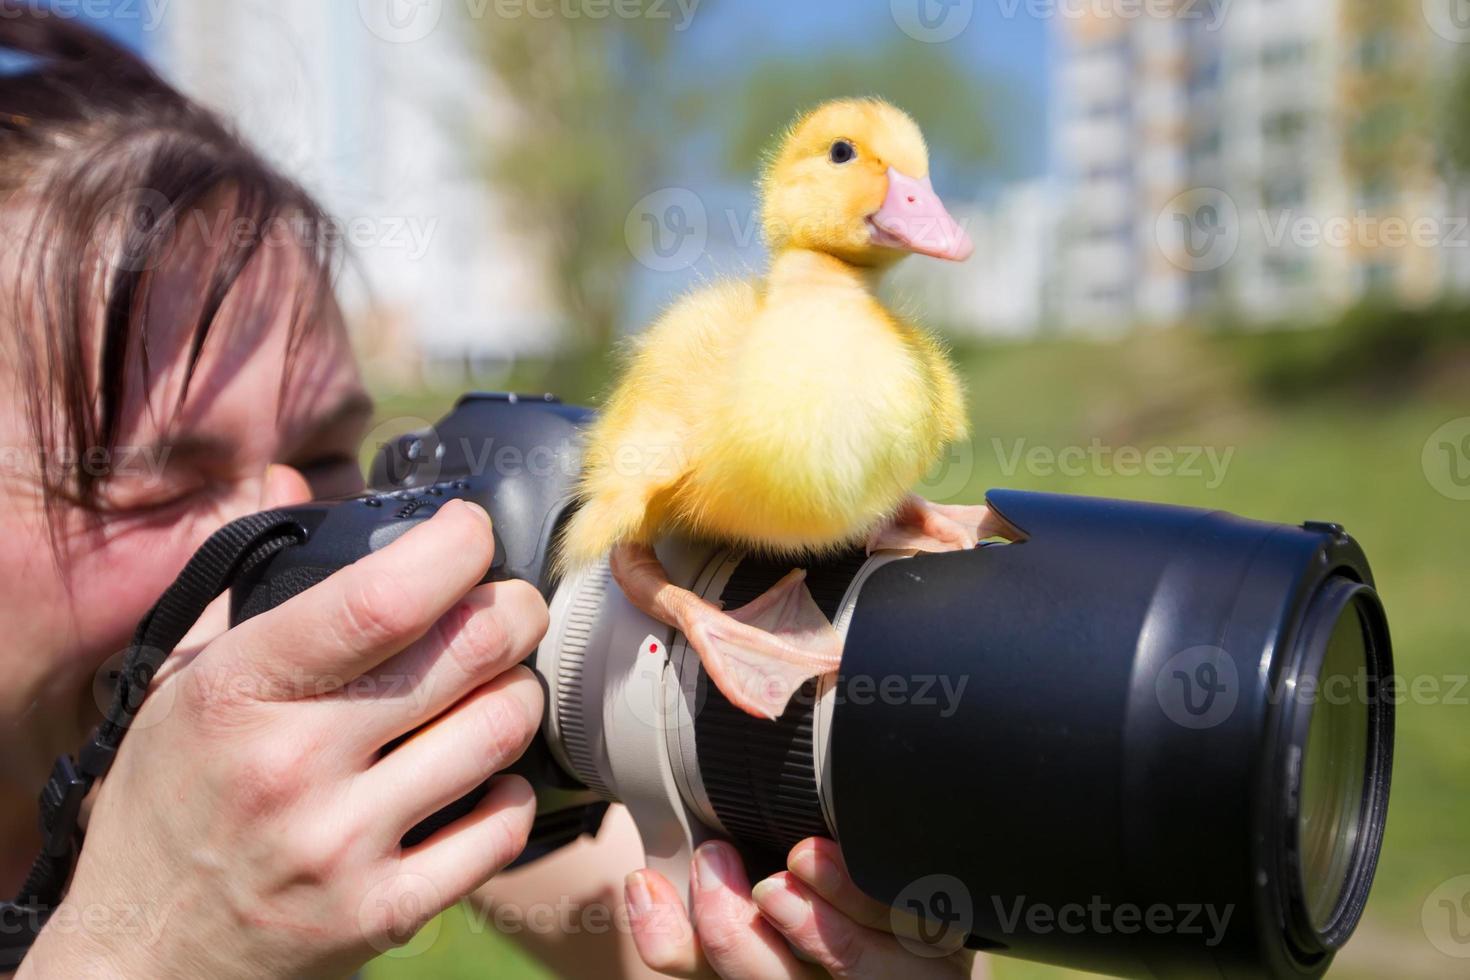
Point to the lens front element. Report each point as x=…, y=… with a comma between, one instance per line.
x=1334, y=770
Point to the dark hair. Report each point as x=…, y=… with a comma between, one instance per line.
x=91, y=134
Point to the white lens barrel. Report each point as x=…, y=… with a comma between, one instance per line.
x=625, y=693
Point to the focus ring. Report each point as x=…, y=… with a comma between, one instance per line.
x=571, y=700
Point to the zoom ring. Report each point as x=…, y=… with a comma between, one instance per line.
x=758, y=774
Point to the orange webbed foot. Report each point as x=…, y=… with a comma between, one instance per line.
x=921, y=525
x=758, y=655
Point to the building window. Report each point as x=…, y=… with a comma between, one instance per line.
x=1283, y=54
x=1205, y=284
x=1204, y=144
x=1375, y=51
x=1376, y=191
x=1204, y=74
x=1285, y=126
x=1378, y=278
x=1103, y=111
x=1378, y=127
x=1287, y=271
x=1108, y=295
x=1107, y=233
x=1280, y=191
x=1105, y=172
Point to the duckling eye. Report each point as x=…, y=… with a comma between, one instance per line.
x=841, y=152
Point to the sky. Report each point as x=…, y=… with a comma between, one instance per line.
x=125, y=25
x=1004, y=47
x=999, y=40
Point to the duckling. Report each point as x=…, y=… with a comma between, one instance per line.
x=788, y=417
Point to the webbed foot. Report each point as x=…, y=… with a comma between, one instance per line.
x=922, y=525
x=758, y=655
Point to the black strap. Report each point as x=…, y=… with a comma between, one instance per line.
x=230, y=552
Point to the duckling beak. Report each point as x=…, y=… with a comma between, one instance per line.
x=913, y=219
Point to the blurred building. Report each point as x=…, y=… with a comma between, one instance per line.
x=1268, y=160
x=387, y=131
x=1120, y=144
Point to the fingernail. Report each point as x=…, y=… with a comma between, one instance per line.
x=816, y=869
x=711, y=866
x=475, y=509
x=640, y=900
x=528, y=692
x=781, y=903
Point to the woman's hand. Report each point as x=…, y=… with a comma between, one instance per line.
x=251, y=824
x=744, y=932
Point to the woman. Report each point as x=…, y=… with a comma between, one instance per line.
x=173, y=361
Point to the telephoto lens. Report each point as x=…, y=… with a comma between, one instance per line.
x=1143, y=740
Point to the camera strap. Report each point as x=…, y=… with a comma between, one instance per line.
x=228, y=553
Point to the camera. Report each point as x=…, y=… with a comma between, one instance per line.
x=1136, y=739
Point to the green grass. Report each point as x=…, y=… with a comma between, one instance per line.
x=1348, y=456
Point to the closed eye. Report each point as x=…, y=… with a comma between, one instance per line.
x=332, y=474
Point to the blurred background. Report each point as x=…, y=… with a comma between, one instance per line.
x=1223, y=259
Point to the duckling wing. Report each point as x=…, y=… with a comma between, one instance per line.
x=640, y=449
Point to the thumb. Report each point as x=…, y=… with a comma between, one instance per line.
x=214, y=621
x=283, y=486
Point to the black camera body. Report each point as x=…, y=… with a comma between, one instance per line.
x=514, y=455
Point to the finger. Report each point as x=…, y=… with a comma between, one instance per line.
x=736, y=939
x=818, y=863
x=283, y=486
x=839, y=945
x=358, y=617
x=456, y=752
x=661, y=930
x=490, y=630
x=464, y=855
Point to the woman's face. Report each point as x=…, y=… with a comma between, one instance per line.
x=181, y=470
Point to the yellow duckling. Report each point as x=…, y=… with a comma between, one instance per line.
x=789, y=416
